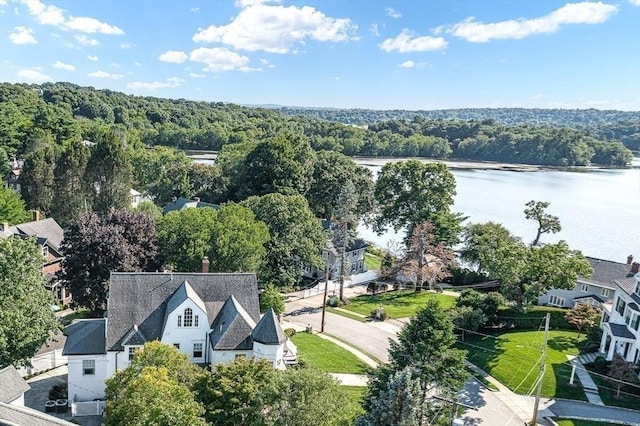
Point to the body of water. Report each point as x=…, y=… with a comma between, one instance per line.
x=599, y=209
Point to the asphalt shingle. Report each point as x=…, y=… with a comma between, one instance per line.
x=12, y=385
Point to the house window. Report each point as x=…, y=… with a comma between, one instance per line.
x=195, y=320
x=88, y=367
x=637, y=290
x=188, y=317
x=132, y=352
x=605, y=317
x=556, y=301
x=627, y=318
x=179, y=320
x=45, y=251
x=605, y=292
x=197, y=350
x=584, y=288
x=620, y=305
x=635, y=322
x=176, y=345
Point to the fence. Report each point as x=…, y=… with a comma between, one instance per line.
x=44, y=361
x=89, y=408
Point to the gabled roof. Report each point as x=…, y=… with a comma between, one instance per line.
x=23, y=416
x=621, y=330
x=590, y=296
x=85, y=337
x=46, y=229
x=134, y=337
x=184, y=292
x=142, y=298
x=232, y=327
x=185, y=203
x=12, y=385
x=628, y=285
x=605, y=272
x=268, y=330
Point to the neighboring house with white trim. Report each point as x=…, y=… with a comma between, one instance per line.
x=212, y=318
x=621, y=319
x=12, y=387
x=596, y=290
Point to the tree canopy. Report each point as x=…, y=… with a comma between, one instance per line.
x=12, y=207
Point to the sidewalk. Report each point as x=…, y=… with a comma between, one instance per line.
x=590, y=388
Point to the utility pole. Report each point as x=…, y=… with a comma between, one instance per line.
x=324, y=299
x=419, y=277
x=543, y=366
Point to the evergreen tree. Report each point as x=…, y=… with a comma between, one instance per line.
x=70, y=195
x=37, y=178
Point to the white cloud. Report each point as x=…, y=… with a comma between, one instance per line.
x=219, y=59
x=22, y=35
x=173, y=56
x=246, y=3
x=83, y=39
x=137, y=64
x=194, y=75
x=84, y=24
x=392, y=13
x=277, y=29
x=168, y=83
x=570, y=13
x=104, y=74
x=405, y=42
x=44, y=14
x=374, y=29
x=635, y=2
x=92, y=58
x=412, y=64
x=3, y=2
x=194, y=10
x=126, y=45
x=63, y=66
x=265, y=63
x=32, y=75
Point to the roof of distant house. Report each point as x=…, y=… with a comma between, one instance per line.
x=85, y=337
x=606, y=271
x=142, y=299
x=12, y=385
x=590, y=296
x=46, y=229
x=185, y=203
x=23, y=416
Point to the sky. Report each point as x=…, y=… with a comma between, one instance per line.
x=378, y=54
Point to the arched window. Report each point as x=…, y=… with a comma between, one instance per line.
x=188, y=317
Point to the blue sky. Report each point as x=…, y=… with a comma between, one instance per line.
x=414, y=54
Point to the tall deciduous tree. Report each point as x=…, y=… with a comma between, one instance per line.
x=12, y=207
x=109, y=172
x=237, y=240
x=161, y=172
x=271, y=298
x=71, y=191
x=26, y=319
x=546, y=222
x=184, y=238
x=410, y=192
x=480, y=238
x=37, y=179
x=296, y=236
x=96, y=246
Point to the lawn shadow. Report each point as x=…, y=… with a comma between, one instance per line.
x=562, y=343
x=562, y=375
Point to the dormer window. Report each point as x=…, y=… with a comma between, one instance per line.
x=188, y=319
x=637, y=290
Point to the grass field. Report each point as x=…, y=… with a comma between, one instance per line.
x=372, y=262
x=629, y=396
x=397, y=304
x=512, y=358
x=355, y=394
x=327, y=356
x=571, y=422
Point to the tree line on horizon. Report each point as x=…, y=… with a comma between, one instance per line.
x=60, y=112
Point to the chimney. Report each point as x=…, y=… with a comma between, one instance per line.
x=36, y=215
x=205, y=265
x=5, y=227
x=629, y=259
x=635, y=267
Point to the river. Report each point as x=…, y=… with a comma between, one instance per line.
x=599, y=209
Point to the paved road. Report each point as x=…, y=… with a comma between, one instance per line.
x=573, y=409
x=490, y=409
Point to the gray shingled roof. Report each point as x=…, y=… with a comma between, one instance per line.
x=185, y=203
x=232, y=327
x=628, y=285
x=141, y=298
x=268, y=330
x=24, y=416
x=590, y=296
x=606, y=271
x=85, y=337
x=12, y=385
x=134, y=337
x=621, y=330
x=47, y=228
x=184, y=292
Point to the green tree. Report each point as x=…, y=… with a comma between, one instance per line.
x=71, y=192
x=244, y=392
x=109, y=172
x=481, y=238
x=96, y=246
x=410, y=192
x=37, y=178
x=398, y=402
x=161, y=172
x=153, y=398
x=26, y=319
x=150, y=209
x=237, y=240
x=206, y=182
x=584, y=316
x=5, y=166
x=184, y=238
x=271, y=298
x=296, y=236
x=12, y=207
x=546, y=223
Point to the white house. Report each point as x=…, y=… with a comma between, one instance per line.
x=621, y=319
x=213, y=318
x=12, y=386
x=596, y=290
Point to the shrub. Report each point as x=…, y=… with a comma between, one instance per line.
x=379, y=314
x=601, y=365
x=58, y=391
x=290, y=332
x=334, y=301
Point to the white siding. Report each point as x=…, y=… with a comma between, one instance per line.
x=87, y=387
x=187, y=336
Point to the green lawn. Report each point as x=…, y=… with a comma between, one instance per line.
x=571, y=422
x=511, y=357
x=327, y=356
x=629, y=396
x=372, y=262
x=355, y=394
x=397, y=304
